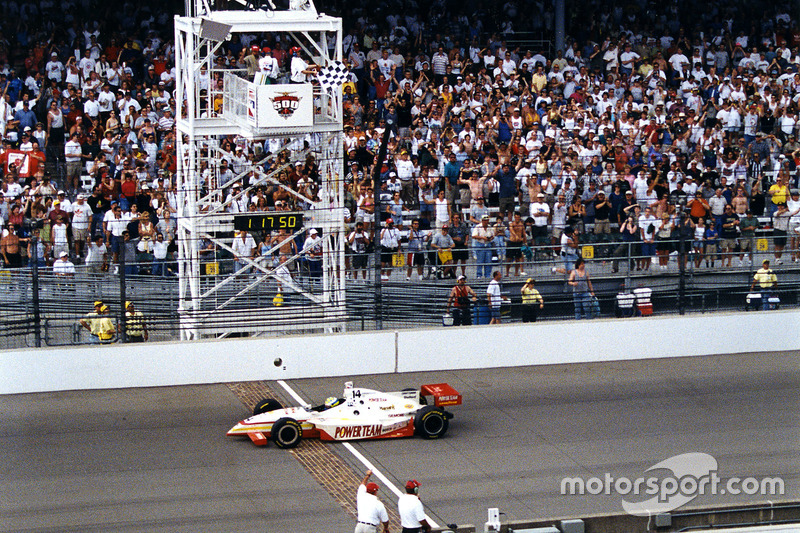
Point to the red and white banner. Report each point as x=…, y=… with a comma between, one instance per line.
x=26, y=163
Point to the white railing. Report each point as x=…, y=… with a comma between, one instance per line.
x=327, y=106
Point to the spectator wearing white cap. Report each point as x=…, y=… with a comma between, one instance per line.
x=312, y=250
x=26, y=144
x=66, y=205
x=54, y=68
x=236, y=201
x=239, y=160
x=81, y=218
x=405, y=172
x=540, y=212
x=166, y=122
x=482, y=237
x=63, y=267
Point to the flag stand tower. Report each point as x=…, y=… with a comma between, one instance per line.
x=213, y=104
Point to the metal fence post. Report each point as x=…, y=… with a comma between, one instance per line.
x=682, y=258
x=37, y=317
x=376, y=237
x=123, y=333
x=628, y=266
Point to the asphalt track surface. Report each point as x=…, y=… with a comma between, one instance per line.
x=139, y=460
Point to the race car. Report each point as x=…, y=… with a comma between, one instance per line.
x=359, y=414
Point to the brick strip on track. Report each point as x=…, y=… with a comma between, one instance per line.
x=325, y=467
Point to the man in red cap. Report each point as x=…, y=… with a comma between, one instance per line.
x=252, y=59
x=409, y=506
x=371, y=510
x=269, y=66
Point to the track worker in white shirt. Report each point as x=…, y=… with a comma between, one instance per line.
x=409, y=507
x=371, y=510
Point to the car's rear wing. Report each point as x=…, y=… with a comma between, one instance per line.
x=443, y=394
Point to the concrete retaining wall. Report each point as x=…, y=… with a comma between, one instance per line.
x=552, y=342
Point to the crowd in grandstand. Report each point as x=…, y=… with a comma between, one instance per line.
x=495, y=149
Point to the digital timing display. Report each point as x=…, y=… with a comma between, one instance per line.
x=268, y=222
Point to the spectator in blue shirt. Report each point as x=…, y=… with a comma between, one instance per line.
x=452, y=170
x=506, y=176
x=25, y=117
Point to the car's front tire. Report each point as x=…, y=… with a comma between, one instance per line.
x=286, y=433
x=266, y=405
x=431, y=422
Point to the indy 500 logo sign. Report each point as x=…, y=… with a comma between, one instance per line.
x=285, y=104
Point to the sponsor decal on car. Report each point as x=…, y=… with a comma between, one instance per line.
x=446, y=400
x=357, y=432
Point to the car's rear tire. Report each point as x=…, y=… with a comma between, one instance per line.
x=266, y=405
x=286, y=433
x=431, y=422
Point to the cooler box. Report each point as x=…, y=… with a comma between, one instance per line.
x=752, y=301
x=625, y=303
x=643, y=304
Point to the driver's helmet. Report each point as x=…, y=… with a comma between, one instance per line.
x=332, y=401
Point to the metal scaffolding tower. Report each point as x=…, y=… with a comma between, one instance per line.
x=213, y=104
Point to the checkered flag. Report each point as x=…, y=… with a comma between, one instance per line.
x=332, y=76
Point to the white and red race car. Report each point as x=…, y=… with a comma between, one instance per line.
x=359, y=414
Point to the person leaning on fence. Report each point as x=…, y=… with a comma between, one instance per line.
x=582, y=291
x=459, y=231
x=135, y=324
x=99, y=324
x=482, y=236
x=64, y=268
x=459, y=301
x=442, y=244
x=767, y=281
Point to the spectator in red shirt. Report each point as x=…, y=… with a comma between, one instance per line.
x=57, y=213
